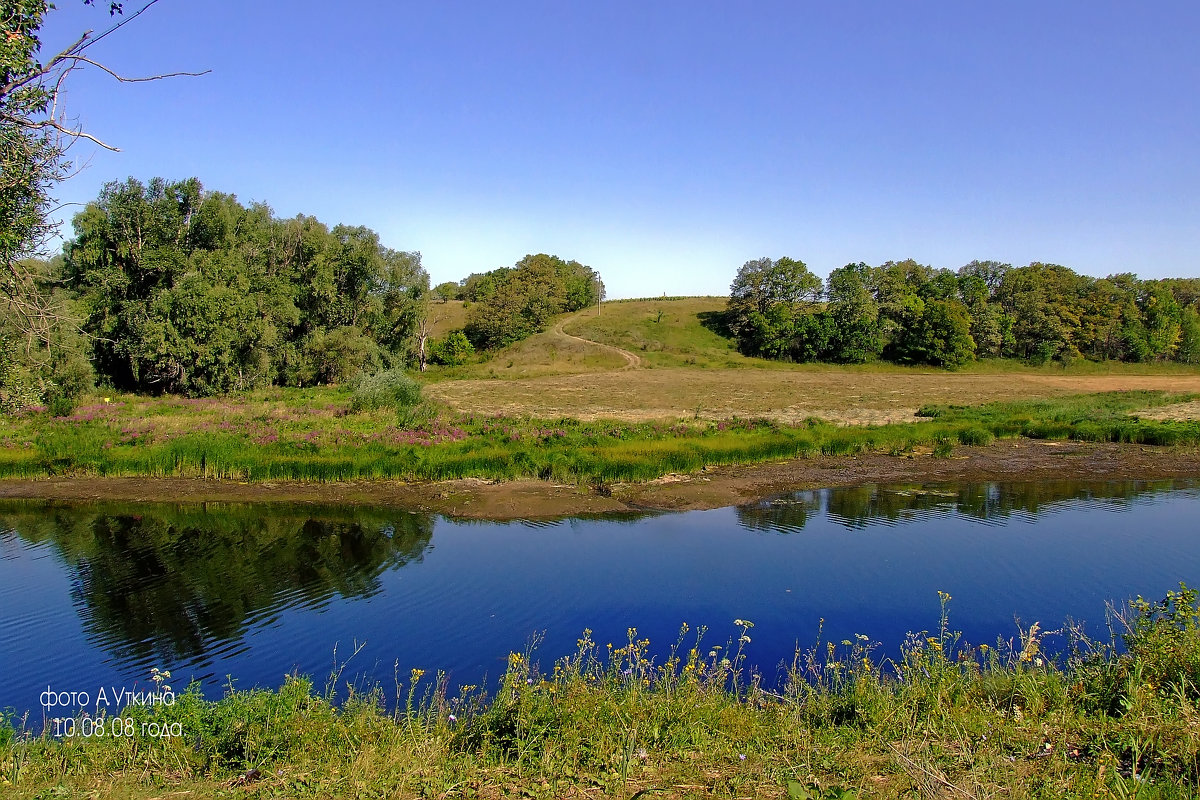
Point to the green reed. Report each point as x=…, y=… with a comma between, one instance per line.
x=275, y=440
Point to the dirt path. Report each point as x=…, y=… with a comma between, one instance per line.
x=631, y=361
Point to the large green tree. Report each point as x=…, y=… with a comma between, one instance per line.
x=858, y=331
x=512, y=303
x=186, y=290
x=767, y=299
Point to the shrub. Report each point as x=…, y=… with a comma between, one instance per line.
x=339, y=355
x=975, y=436
x=1164, y=642
x=451, y=351
x=388, y=389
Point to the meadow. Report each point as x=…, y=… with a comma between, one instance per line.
x=1042, y=714
x=684, y=368
x=312, y=434
x=656, y=391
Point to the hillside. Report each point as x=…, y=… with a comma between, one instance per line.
x=632, y=362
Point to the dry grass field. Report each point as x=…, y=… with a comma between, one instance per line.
x=445, y=317
x=841, y=395
x=635, y=363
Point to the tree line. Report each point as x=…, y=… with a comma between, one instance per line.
x=167, y=287
x=188, y=291
x=911, y=313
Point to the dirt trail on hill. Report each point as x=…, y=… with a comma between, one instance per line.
x=631, y=361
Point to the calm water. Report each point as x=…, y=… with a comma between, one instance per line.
x=97, y=595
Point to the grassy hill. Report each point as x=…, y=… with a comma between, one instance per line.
x=678, y=332
x=663, y=358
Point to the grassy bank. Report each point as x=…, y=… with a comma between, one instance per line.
x=945, y=719
x=313, y=435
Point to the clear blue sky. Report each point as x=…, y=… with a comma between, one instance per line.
x=666, y=143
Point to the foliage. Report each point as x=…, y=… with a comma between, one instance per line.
x=451, y=350
x=859, y=334
x=447, y=291
x=188, y=291
x=388, y=389
x=910, y=313
x=510, y=304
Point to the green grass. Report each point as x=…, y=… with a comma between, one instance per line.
x=665, y=332
x=312, y=435
x=945, y=718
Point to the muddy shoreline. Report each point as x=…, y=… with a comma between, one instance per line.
x=715, y=487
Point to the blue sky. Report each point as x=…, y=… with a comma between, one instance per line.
x=666, y=143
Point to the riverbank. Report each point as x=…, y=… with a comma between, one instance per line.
x=712, y=487
x=945, y=719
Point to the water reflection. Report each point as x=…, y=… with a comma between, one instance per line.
x=863, y=506
x=258, y=591
x=161, y=584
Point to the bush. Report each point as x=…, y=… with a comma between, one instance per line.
x=388, y=389
x=975, y=436
x=1163, y=640
x=339, y=355
x=451, y=351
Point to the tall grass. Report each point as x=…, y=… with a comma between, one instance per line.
x=371, y=445
x=945, y=718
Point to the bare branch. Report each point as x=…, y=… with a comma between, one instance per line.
x=125, y=21
x=73, y=133
x=124, y=79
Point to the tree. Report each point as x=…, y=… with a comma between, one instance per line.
x=452, y=350
x=859, y=335
x=447, y=291
x=186, y=290
x=942, y=336
x=34, y=140
x=765, y=298
x=1043, y=302
x=512, y=303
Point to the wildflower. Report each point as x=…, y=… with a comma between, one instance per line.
x=741, y=756
x=451, y=719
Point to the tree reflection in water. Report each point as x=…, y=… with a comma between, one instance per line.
x=861, y=506
x=167, y=583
